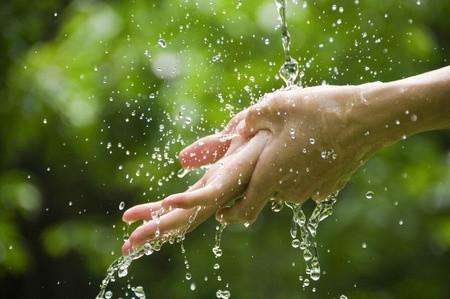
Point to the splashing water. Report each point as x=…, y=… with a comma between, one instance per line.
x=289, y=71
x=217, y=251
x=306, y=242
x=121, y=265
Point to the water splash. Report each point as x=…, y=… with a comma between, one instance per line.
x=307, y=228
x=217, y=251
x=289, y=71
x=120, y=266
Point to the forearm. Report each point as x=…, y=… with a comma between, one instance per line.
x=391, y=111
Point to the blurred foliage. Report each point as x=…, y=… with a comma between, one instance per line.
x=98, y=98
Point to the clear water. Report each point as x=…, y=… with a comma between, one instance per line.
x=120, y=266
x=303, y=233
x=217, y=251
x=289, y=71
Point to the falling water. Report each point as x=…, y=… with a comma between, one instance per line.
x=307, y=228
x=289, y=71
x=121, y=265
x=225, y=293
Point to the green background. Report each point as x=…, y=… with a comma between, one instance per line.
x=97, y=98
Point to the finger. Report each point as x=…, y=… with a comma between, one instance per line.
x=209, y=149
x=204, y=151
x=142, y=211
x=147, y=231
x=202, y=196
x=173, y=221
x=260, y=188
x=228, y=180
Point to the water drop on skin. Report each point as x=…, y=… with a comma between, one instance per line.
x=277, y=205
x=292, y=133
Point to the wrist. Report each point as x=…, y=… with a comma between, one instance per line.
x=394, y=110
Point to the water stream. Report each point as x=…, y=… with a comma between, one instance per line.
x=303, y=231
x=289, y=71
x=120, y=266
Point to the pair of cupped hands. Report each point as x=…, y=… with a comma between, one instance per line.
x=294, y=144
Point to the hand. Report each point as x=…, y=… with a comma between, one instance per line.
x=223, y=182
x=316, y=144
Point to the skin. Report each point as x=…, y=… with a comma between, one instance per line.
x=297, y=144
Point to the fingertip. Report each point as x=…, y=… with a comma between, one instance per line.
x=126, y=248
x=127, y=216
x=183, y=157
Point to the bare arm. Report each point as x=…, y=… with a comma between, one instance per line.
x=406, y=107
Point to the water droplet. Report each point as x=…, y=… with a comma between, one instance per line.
x=343, y=297
x=364, y=245
x=108, y=295
x=306, y=282
x=223, y=294
x=188, y=276
x=162, y=43
x=44, y=121
x=400, y=222
x=139, y=292
x=295, y=243
x=217, y=251
x=121, y=205
x=182, y=173
x=277, y=205
x=370, y=194
x=193, y=286
x=148, y=250
x=312, y=140
x=292, y=133
x=413, y=117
